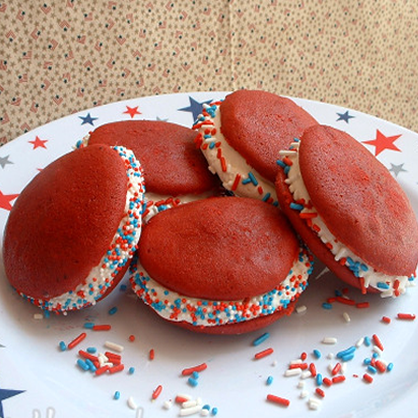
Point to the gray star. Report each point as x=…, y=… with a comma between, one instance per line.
x=396, y=169
x=162, y=120
x=4, y=161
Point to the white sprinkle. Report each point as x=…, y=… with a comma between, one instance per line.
x=360, y=342
x=301, y=384
x=287, y=153
x=184, y=412
x=297, y=361
x=191, y=403
x=38, y=316
x=330, y=356
x=204, y=412
x=314, y=404
x=301, y=309
x=329, y=340
x=168, y=404
x=377, y=350
x=113, y=346
x=346, y=317
x=139, y=412
x=274, y=364
x=131, y=403
x=293, y=372
x=306, y=374
x=303, y=394
x=331, y=367
x=343, y=367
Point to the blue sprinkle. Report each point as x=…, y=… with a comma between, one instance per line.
x=319, y=379
x=327, y=305
x=63, y=346
x=89, y=325
x=382, y=285
x=269, y=380
x=367, y=341
x=207, y=407
x=131, y=370
x=281, y=163
x=123, y=287
x=91, y=350
x=371, y=369
x=390, y=367
x=91, y=365
x=113, y=310
x=367, y=361
x=82, y=364
x=195, y=375
x=296, y=206
x=192, y=382
x=347, y=352
x=317, y=353
x=214, y=411
x=261, y=339
x=116, y=395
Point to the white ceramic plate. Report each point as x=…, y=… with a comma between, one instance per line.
x=53, y=386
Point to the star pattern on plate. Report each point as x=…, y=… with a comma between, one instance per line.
x=195, y=107
x=344, y=116
x=162, y=119
x=4, y=161
x=132, y=111
x=88, y=119
x=6, y=394
x=397, y=168
x=5, y=200
x=38, y=142
x=383, y=142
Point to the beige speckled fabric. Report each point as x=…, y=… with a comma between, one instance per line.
x=62, y=56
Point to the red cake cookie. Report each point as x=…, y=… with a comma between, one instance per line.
x=74, y=227
x=230, y=265
x=241, y=135
x=349, y=210
x=175, y=171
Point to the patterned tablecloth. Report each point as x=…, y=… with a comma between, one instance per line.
x=58, y=57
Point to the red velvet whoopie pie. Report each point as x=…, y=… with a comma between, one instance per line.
x=230, y=265
x=349, y=210
x=74, y=228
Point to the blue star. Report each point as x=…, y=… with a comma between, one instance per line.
x=5, y=394
x=195, y=107
x=87, y=119
x=344, y=116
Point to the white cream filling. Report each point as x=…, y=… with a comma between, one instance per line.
x=382, y=282
x=202, y=312
x=235, y=173
x=129, y=230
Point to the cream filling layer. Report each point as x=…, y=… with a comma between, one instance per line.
x=235, y=173
x=202, y=312
x=120, y=251
x=389, y=286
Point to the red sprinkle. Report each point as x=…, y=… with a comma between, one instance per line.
x=326, y=381
x=345, y=301
x=101, y=370
x=87, y=355
x=132, y=338
x=320, y=392
x=302, y=366
x=278, y=400
x=338, y=379
x=157, y=392
x=101, y=327
x=117, y=368
x=377, y=342
x=380, y=366
x=367, y=378
x=386, y=319
x=151, y=354
x=263, y=353
x=406, y=316
x=77, y=340
x=181, y=399
x=361, y=305
x=303, y=356
x=312, y=369
x=198, y=368
x=336, y=369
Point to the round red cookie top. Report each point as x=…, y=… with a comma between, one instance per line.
x=258, y=124
x=172, y=164
x=64, y=221
x=358, y=199
x=222, y=248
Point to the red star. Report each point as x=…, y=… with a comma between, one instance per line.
x=132, y=111
x=38, y=142
x=383, y=142
x=5, y=200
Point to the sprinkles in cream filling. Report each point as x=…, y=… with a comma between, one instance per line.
x=389, y=286
x=202, y=312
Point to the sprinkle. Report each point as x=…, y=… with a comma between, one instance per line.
x=113, y=310
x=102, y=327
x=346, y=317
x=338, y=379
x=181, y=398
x=263, y=353
x=184, y=412
x=38, y=316
x=390, y=367
x=327, y=305
x=319, y=379
x=326, y=381
x=301, y=309
x=157, y=392
x=214, y=411
x=336, y=369
x=62, y=346
x=380, y=366
x=377, y=341
x=167, y=404
x=116, y=369
x=317, y=354
x=269, y=380
x=406, y=316
x=367, y=341
x=131, y=403
x=87, y=355
x=89, y=325
x=191, y=370
x=303, y=394
x=367, y=378
x=131, y=338
x=346, y=353
x=303, y=356
x=329, y=340
x=314, y=404
x=192, y=381
x=101, y=370
x=312, y=369
x=116, y=395
x=131, y=370
x=82, y=364
x=77, y=340
x=361, y=305
x=113, y=346
x=320, y=392
x=292, y=372
x=261, y=339
x=139, y=412
x=386, y=319
x=278, y=400
x=151, y=354
x=360, y=342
